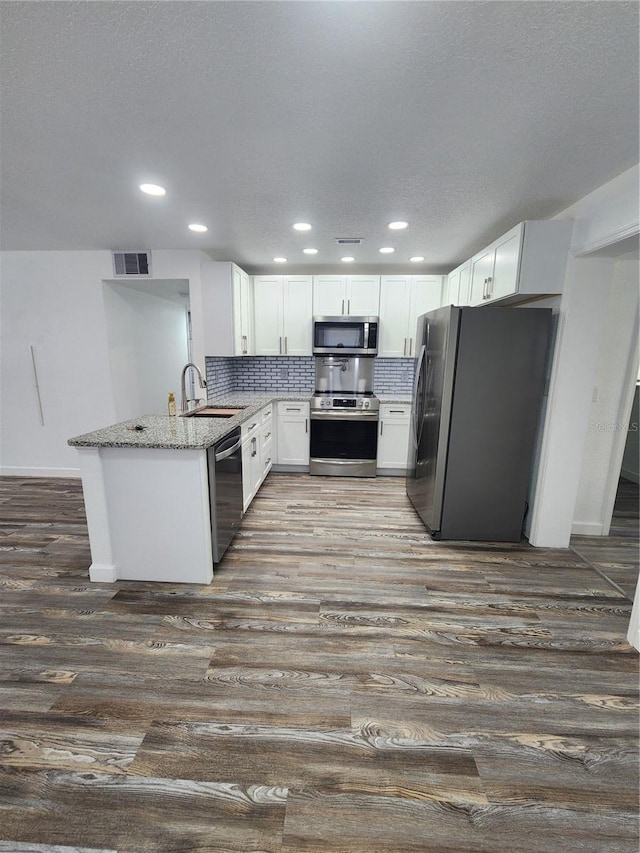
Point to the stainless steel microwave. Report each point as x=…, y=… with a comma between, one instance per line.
x=345, y=335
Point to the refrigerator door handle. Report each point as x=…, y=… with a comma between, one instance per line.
x=420, y=364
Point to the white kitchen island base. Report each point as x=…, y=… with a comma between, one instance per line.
x=148, y=514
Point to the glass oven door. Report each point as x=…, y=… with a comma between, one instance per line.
x=344, y=443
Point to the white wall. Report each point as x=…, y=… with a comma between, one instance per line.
x=608, y=214
x=608, y=415
x=54, y=301
x=631, y=457
x=147, y=335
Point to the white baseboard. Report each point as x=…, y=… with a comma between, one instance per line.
x=39, y=472
x=630, y=475
x=587, y=528
x=103, y=573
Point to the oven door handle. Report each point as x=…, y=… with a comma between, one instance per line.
x=334, y=415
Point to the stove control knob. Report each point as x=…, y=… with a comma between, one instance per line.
x=365, y=404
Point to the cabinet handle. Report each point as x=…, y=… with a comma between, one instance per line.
x=489, y=287
x=381, y=427
x=286, y=346
x=244, y=344
x=253, y=426
x=268, y=435
x=404, y=350
x=306, y=424
x=348, y=306
x=280, y=347
x=255, y=451
x=342, y=306
x=293, y=409
x=410, y=345
x=396, y=411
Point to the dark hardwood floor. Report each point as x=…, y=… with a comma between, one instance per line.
x=345, y=685
x=617, y=556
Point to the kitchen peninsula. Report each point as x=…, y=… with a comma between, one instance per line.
x=146, y=480
x=147, y=491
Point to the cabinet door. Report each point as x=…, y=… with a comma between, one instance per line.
x=265, y=442
x=395, y=305
x=393, y=436
x=464, y=289
x=247, y=483
x=329, y=295
x=426, y=295
x=293, y=434
x=245, y=346
x=481, y=272
x=450, y=288
x=506, y=263
x=267, y=296
x=363, y=295
x=297, y=310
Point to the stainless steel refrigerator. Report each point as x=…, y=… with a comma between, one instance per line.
x=478, y=386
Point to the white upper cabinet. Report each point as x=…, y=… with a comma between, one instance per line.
x=283, y=309
x=403, y=298
x=355, y=295
x=227, y=309
x=457, y=287
x=527, y=261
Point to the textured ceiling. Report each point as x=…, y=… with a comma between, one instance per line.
x=462, y=117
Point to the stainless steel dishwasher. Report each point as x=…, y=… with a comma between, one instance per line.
x=225, y=491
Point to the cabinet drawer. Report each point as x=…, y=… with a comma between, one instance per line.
x=399, y=411
x=250, y=426
x=293, y=409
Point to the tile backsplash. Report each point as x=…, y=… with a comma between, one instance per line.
x=295, y=375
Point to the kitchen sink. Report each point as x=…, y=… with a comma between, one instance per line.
x=211, y=412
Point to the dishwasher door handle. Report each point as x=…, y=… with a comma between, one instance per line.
x=229, y=452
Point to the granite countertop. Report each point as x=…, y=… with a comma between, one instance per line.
x=179, y=433
x=394, y=398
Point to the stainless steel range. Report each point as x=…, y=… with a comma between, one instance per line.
x=344, y=414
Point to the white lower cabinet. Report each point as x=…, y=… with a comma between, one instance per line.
x=293, y=433
x=256, y=452
x=393, y=436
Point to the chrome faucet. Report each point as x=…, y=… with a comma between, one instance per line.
x=184, y=402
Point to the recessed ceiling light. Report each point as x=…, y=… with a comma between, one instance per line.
x=197, y=227
x=398, y=225
x=416, y=259
x=348, y=259
x=280, y=260
x=386, y=250
x=152, y=189
x=310, y=251
x=302, y=226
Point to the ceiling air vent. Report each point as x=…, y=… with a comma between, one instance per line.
x=131, y=263
x=349, y=241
